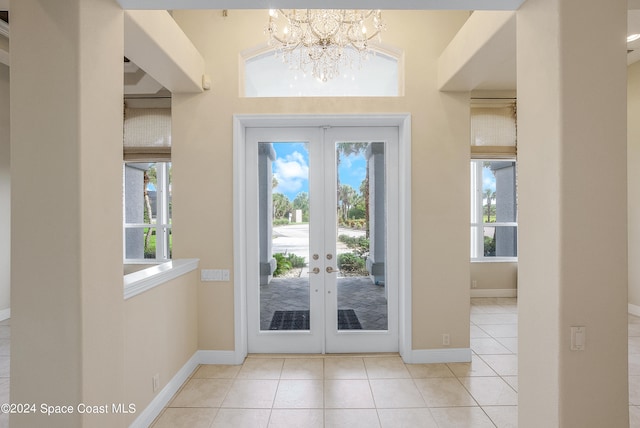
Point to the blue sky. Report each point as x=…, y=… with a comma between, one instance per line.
x=488, y=179
x=291, y=169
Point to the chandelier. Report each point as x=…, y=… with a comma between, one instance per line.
x=323, y=39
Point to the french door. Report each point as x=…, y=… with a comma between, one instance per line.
x=322, y=239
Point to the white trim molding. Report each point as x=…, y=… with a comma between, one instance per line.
x=220, y=357
x=138, y=282
x=151, y=412
x=5, y=314
x=428, y=356
x=494, y=292
x=148, y=415
x=634, y=310
x=240, y=124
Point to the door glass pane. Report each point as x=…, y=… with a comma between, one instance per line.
x=361, y=236
x=283, y=171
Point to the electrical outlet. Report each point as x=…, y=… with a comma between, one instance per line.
x=156, y=382
x=446, y=339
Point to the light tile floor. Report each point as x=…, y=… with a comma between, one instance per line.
x=375, y=390
x=363, y=390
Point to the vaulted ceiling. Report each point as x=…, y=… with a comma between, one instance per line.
x=489, y=63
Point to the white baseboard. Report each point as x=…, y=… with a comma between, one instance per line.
x=494, y=292
x=219, y=357
x=634, y=310
x=151, y=412
x=148, y=415
x=427, y=356
x=5, y=314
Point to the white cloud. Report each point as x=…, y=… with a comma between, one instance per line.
x=291, y=172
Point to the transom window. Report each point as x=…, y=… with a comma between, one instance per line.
x=266, y=75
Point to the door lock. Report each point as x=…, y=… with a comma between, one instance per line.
x=315, y=270
x=329, y=256
x=331, y=270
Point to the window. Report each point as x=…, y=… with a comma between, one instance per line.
x=266, y=75
x=494, y=226
x=147, y=211
x=147, y=180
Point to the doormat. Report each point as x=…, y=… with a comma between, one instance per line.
x=299, y=320
x=348, y=320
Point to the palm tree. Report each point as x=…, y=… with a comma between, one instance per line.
x=489, y=196
x=346, y=198
x=346, y=149
x=281, y=206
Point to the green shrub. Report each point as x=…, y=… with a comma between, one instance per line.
x=280, y=221
x=283, y=264
x=359, y=244
x=296, y=261
x=489, y=246
x=350, y=262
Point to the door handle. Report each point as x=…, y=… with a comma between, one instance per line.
x=315, y=270
x=331, y=270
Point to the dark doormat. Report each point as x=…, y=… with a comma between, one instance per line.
x=348, y=320
x=299, y=320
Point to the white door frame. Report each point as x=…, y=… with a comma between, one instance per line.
x=240, y=123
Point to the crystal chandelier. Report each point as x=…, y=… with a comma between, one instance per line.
x=324, y=39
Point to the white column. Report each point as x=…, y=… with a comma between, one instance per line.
x=573, y=213
x=67, y=326
x=377, y=213
x=266, y=156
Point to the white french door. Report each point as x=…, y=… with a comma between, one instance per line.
x=322, y=239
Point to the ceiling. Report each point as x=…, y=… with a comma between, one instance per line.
x=502, y=77
x=327, y=4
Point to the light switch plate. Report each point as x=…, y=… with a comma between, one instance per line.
x=578, y=338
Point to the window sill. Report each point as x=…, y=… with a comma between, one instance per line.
x=487, y=260
x=140, y=281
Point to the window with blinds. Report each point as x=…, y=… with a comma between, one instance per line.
x=147, y=184
x=147, y=134
x=493, y=128
x=494, y=220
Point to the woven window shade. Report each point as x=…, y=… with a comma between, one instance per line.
x=147, y=134
x=493, y=130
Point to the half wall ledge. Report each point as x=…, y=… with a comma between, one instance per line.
x=140, y=281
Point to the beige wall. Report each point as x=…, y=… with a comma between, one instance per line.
x=67, y=320
x=203, y=175
x=572, y=268
x=5, y=191
x=161, y=336
x=494, y=276
x=633, y=171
